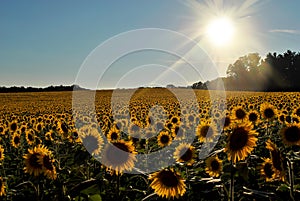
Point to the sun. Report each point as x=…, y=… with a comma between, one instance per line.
x=220, y=31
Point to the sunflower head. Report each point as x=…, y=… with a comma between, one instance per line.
x=267, y=171
x=268, y=111
x=167, y=183
x=213, y=166
x=206, y=131
x=164, y=138
x=240, y=142
x=291, y=134
x=238, y=113
x=119, y=156
x=185, y=153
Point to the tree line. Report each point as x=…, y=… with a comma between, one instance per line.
x=275, y=72
x=35, y=89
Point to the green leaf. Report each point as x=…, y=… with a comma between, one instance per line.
x=95, y=197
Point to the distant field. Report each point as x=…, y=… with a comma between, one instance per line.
x=48, y=150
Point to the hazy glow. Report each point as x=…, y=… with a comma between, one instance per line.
x=220, y=31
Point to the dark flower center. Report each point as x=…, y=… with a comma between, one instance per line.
x=238, y=139
x=168, y=178
x=292, y=134
x=240, y=113
x=215, y=165
x=164, y=139
x=269, y=113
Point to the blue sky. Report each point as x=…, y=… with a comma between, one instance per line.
x=44, y=43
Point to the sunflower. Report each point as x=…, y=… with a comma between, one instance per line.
x=267, y=170
x=206, y=131
x=2, y=187
x=291, y=134
x=1, y=153
x=32, y=164
x=213, y=166
x=164, y=138
x=167, y=183
x=113, y=134
x=46, y=160
x=119, y=156
x=240, y=142
x=277, y=160
x=13, y=126
x=253, y=116
x=227, y=122
x=2, y=130
x=268, y=111
x=91, y=139
x=178, y=132
x=185, y=153
x=238, y=113
x=30, y=136
x=16, y=140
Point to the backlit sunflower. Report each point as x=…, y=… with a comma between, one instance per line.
x=268, y=111
x=253, y=116
x=91, y=139
x=30, y=136
x=238, y=113
x=32, y=164
x=16, y=140
x=206, y=131
x=267, y=170
x=291, y=134
x=113, y=134
x=164, y=138
x=240, y=142
x=167, y=183
x=213, y=166
x=119, y=156
x=185, y=153
x=2, y=187
x=1, y=153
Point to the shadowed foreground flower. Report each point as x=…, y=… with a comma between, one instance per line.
x=32, y=164
x=167, y=183
x=277, y=160
x=206, y=131
x=213, y=166
x=240, y=142
x=119, y=156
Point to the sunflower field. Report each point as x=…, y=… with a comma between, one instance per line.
x=48, y=151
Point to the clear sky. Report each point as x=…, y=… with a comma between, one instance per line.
x=44, y=43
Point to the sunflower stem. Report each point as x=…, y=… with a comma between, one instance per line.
x=291, y=178
x=231, y=194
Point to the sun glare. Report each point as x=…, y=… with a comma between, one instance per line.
x=220, y=31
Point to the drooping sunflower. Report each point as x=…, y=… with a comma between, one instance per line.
x=91, y=139
x=277, y=160
x=268, y=111
x=241, y=141
x=1, y=153
x=213, y=166
x=185, y=153
x=164, y=138
x=16, y=140
x=32, y=164
x=291, y=134
x=267, y=170
x=206, y=131
x=167, y=183
x=119, y=156
x=46, y=160
x=238, y=113
x=113, y=134
x=2, y=187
